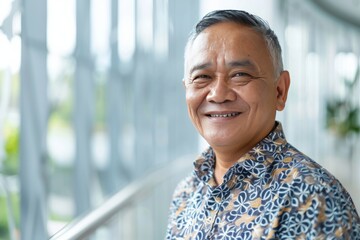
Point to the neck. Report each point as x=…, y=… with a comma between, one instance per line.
x=225, y=159
x=227, y=156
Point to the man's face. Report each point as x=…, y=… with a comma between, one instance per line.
x=232, y=91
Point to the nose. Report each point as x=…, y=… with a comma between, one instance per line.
x=221, y=92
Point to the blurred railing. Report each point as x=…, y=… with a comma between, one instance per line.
x=8, y=186
x=138, y=211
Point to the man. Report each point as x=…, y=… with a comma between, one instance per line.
x=250, y=183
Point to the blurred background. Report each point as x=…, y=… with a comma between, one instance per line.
x=92, y=105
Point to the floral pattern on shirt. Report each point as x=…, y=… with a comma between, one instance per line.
x=272, y=192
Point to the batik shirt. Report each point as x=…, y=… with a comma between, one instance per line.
x=272, y=192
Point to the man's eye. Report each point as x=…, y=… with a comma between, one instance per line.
x=201, y=77
x=242, y=74
x=241, y=78
x=200, y=80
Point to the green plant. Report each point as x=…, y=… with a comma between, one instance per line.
x=11, y=161
x=4, y=229
x=342, y=114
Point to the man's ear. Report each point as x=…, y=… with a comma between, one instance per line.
x=282, y=88
x=183, y=81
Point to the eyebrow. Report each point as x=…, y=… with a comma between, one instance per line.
x=199, y=67
x=238, y=63
x=242, y=63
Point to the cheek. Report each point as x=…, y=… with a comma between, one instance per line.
x=193, y=100
x=258, y=95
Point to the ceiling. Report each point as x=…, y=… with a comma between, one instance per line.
x=347, y=10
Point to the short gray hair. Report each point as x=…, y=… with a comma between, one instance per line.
x=246, y=19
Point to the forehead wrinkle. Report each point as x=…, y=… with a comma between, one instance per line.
x=212, y=50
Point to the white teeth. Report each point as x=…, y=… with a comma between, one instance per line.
x=224, y=115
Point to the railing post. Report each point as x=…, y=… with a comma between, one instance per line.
x=33, y=125
x=83, y=109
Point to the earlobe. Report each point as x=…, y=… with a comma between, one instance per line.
x=282, y=88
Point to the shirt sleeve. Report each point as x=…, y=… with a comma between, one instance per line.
x=319, y=212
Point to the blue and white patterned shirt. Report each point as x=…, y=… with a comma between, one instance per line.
x=272, y=192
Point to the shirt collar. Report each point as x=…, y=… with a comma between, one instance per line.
x=254, y=162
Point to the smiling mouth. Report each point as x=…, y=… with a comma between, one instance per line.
x=227, y=115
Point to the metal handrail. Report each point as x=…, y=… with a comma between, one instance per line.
x=9, y=206
x=84, y=226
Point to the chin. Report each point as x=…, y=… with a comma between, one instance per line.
x=219, y=141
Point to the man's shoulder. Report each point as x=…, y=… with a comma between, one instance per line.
x=302, y=171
